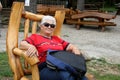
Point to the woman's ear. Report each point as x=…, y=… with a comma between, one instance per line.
x=41, y=26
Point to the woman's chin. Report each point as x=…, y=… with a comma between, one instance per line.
x=48, y=33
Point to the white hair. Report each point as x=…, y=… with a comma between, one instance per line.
x=46, y=18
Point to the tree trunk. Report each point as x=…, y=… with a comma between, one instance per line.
x=80, y=4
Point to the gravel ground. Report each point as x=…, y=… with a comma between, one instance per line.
x=95, y=43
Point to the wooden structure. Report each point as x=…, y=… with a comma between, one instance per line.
x=48, y=9
x=14, y=53
x=51, y=9
x=100, y=19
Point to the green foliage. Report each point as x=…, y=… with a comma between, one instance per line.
x=99, y=76
x=108, y=9
x=4, y=66
x=108, y=77
x=103, y=70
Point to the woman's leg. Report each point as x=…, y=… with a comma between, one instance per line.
x=49, y=74
x=84, y=78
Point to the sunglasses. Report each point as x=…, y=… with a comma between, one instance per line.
x=47, y=25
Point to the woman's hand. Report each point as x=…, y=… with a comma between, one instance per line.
x=73, y=49
x=32, y=51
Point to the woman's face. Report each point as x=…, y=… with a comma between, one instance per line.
x=47, y=27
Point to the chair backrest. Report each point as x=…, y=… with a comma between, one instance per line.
x=16, y=17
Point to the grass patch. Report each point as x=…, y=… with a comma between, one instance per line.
x=108, y=77
x=98, y=67
x=103, y=70
x=5, y=70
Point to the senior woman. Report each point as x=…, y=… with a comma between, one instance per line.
x=39, y=44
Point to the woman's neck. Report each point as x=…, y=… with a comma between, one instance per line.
x=46, y=35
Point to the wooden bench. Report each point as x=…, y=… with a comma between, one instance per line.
x=42, y=9
x=48, y=9
x=84, y=18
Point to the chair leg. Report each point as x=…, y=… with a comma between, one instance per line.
x=77, y=27
x=103, y=28
x=24, y=78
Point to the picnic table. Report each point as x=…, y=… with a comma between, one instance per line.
x=84, y=18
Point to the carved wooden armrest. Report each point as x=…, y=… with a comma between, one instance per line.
x=31, y=60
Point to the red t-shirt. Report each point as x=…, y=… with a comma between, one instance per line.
x=43, y=44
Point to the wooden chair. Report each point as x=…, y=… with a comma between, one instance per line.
x=14, y=53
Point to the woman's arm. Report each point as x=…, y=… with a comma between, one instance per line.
x=30, y=49
x=73, y=49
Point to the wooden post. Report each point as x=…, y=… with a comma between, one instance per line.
x=59, y=15
x=12, y=41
